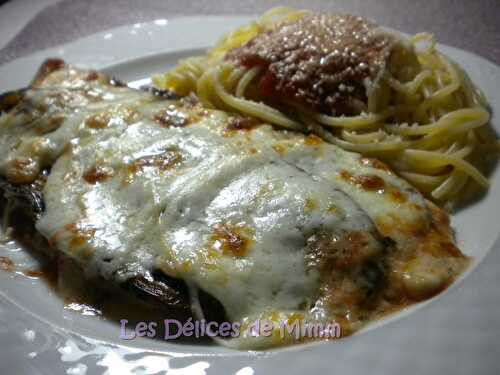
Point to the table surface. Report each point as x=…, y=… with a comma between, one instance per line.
x=470, y=25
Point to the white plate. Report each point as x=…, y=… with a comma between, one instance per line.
x=454, y=333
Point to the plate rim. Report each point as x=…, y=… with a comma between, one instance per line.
x=31, y=58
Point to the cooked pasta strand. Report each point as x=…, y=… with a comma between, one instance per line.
x=424, y=120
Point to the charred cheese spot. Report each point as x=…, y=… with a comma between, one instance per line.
x=98, y=121
x=104, y=119
x=172, y=117
x=367, y=182
x=92, y=76
x=48, y=67
x=22, y=170
x=375, y=183
x=163, y=162
x=97, y=174
x=10, y=100
x=232, y=240
x=397, y=196
x=77, y=235
x=313, y=140
x=236, y=124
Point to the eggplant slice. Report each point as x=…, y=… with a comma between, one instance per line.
x=260, y=223
x=23, y=203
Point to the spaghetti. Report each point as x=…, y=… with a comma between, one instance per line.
x=368, y=91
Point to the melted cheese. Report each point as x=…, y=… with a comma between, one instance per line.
x=170, y=218
x=35, y=133
x=271, y=223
